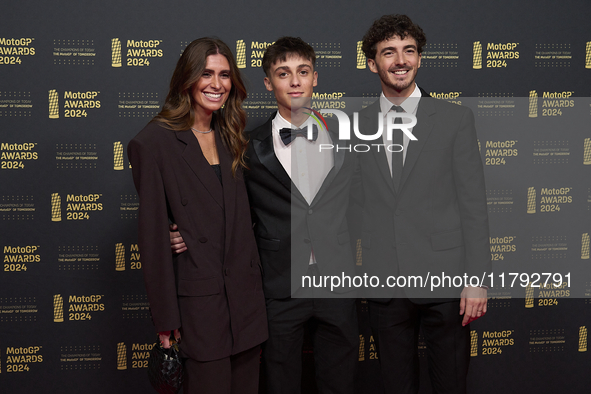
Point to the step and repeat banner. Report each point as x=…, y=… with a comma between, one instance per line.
x=80, y=79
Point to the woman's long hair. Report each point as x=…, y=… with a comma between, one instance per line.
x=177, y=112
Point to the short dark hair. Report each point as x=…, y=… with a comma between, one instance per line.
x=389, y=26
x=284, y=47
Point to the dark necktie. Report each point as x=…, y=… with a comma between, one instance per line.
x=288, y=135
x=397, y=157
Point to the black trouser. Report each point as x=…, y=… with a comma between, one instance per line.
x=395, y=326
x=335, y=338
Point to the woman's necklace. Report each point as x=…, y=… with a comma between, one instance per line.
x=202, y=132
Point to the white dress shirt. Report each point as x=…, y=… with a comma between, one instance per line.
x=409, y=105
x=302, y=159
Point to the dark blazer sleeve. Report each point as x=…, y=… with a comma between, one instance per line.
x=471, y=194
x=213, y=290
x=154, y=241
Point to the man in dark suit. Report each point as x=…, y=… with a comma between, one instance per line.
x=299, y=197
x=424, y=213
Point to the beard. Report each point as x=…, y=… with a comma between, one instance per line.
x=398, y=85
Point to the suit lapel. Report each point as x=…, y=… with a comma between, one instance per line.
x=422, y=130
x=262, y=144
x=338, y=160
x=229, y=188
x=370, y=125
x=194, y=158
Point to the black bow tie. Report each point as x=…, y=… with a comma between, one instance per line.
x=288, y=135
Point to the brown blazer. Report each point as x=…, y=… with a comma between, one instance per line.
x=213, y=290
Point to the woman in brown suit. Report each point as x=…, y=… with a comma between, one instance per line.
x=187, y=168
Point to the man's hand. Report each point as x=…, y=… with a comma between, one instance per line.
x=165, y=338
x=177, y=244
x=472, y=304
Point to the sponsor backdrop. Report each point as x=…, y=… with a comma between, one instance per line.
x=80, y=79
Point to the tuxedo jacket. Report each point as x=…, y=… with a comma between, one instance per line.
x=212, y=291
x=286, y=227
x=437, y=221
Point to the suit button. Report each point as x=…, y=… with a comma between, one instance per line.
x=203, y=240
x=307, y=241
x=184, y=201
x=310, y=211
x=227, y=271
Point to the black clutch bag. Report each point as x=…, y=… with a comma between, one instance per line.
x=165, y=368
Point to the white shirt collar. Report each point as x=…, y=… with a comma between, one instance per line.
x=409, y=106
x=280, y=122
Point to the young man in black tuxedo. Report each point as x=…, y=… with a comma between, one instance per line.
x=424, y=211
x=301, y=229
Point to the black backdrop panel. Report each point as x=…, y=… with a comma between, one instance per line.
x=80, y=79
